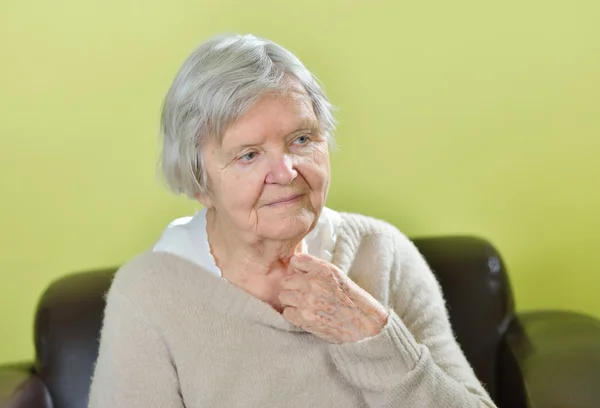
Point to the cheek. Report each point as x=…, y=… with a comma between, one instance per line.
x=240, y=190
x=315, y=169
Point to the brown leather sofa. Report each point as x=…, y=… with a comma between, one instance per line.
x=537, y=359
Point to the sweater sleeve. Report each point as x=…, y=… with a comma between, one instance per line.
x=415, y=360
x=134, y=368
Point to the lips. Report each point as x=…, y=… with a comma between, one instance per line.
x=287, y=199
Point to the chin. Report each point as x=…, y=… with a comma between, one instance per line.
x=289, y=227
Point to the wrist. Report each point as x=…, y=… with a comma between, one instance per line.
x=380, y=319
x=374, y=322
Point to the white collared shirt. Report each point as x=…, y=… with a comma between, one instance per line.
x=187, y=237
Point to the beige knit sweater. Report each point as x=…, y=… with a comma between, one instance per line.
x=176, y=336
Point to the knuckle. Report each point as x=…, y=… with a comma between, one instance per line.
x=308, y=315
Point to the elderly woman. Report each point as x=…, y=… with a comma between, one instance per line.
x=266, y=298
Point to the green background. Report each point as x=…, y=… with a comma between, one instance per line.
x=456, y=117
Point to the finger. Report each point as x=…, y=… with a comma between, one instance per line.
x=290, y=298
x=307, y=263
x=296, y=282
x=292, y=315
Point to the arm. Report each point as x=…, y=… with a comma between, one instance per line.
x=134, y=366
x=414, y=360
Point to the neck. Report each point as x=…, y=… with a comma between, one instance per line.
x=240, y=258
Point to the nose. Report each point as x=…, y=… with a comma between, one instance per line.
x=281, y=170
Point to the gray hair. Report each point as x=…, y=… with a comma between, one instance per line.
x=219, y=82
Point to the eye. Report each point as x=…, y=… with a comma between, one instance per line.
x=301, y=140
x=248, y=157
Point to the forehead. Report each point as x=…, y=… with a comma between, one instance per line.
x=274, y=115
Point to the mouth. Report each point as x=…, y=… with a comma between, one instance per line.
x=287, y=200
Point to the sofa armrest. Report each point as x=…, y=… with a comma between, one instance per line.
x=550, y=359
x=478, y=297
x=21, y=388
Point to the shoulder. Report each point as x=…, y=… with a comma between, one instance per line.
x=363, y=237
x=377, y=240
x=150, y=277
x=148, y=266
x=363, y=228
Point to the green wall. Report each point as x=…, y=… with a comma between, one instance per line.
x=461, y=117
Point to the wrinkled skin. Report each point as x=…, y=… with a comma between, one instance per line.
x=322, y=300
x=268, y=180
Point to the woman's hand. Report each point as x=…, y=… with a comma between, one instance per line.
x=322, y=300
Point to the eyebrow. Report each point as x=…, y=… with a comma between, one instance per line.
x=307, y=123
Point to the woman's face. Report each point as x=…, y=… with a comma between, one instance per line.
x=269, y=177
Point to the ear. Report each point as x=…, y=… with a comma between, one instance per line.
x=204, y=199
